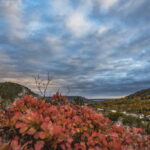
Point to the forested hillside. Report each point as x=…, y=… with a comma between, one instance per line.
x=138, y=102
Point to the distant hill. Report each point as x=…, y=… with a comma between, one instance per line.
x=138, y=102
x=71, y=98
x=143, y=94
x=10, y=91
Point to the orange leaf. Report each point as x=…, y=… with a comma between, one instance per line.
x=31, y=131
x=4, y=146
x=39, y=145
x=42, y=135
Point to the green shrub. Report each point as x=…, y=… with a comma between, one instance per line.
x=78, y=101
x=131, y=121
x=114, y=116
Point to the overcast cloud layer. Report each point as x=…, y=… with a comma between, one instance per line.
x=97, y=48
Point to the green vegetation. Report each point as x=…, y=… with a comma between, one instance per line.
x=143, y=94
x=78, y=100
x=136, y=104
x=128, y=109
x=114, y=116
x=10, y=91
x=128, y=120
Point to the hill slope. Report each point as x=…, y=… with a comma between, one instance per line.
x=138, y=102
x=143, y=94
x=10, y=91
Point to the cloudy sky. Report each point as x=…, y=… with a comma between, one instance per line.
x=95, y=48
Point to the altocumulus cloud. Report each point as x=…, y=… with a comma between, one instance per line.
x=97, y=48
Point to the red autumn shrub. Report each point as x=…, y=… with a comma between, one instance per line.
x=31, y=124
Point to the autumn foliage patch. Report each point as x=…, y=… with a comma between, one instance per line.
x=31, y=124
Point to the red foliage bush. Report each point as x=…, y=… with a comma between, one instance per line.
x=31, y=124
